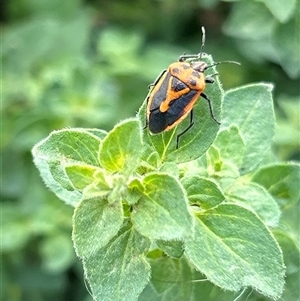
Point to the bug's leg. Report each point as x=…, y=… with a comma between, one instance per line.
x=146, y=124
x=210, y=108
x=183, y=132
x=209, y=78
x=184, y=57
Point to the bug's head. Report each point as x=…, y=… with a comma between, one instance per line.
x=199, y=66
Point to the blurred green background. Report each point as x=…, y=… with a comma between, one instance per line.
x=73, y=63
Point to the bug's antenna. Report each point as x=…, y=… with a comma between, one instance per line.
x=203, y=41
x=228, y=62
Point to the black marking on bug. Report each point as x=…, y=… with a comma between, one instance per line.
x=177, y=106
x=161, y=94
x=193, y=82
x=159, y=121
x=177, y=85
x=175, y=70
x=196, y=74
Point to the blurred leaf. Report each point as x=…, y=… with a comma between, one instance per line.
x=288, y=48
x=208, y=4
x=12, y=176
x=57, y=253
x=282, y=181
x=287, y=134
x=115, y=45
x=291, y=255
x=31, y=280
x=47, y=214
x=14, y=232
x=37, y=41
x=234, y=249
x=249, y=20
x=261, y=37
x=54, y=8
x=259, y=50
x=157, y=57
x=281, y=10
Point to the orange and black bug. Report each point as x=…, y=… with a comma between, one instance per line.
x=175, y=91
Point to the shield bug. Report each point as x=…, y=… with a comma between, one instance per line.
x=174, y=93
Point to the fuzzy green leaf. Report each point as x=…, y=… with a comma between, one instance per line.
x=226, y=154
x=170, y=168
x=119, y=271
x=95, y=222
x=173, y=248
x=81, y=175
x=97, y=132
x=162, y=211
x=121, y=149
x=133, y=193
x=250, y=108
x=202, y=191
x=282, y=181
x=177, y=280
x=234, y=249
x=256, y=198
x=60, y=149
x=169, y=281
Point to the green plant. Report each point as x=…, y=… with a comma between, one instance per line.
x=210, y=205
x=274, y=36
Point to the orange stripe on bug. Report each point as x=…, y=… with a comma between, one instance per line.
x=176, y=91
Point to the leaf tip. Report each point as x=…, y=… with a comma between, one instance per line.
x=270, y=87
